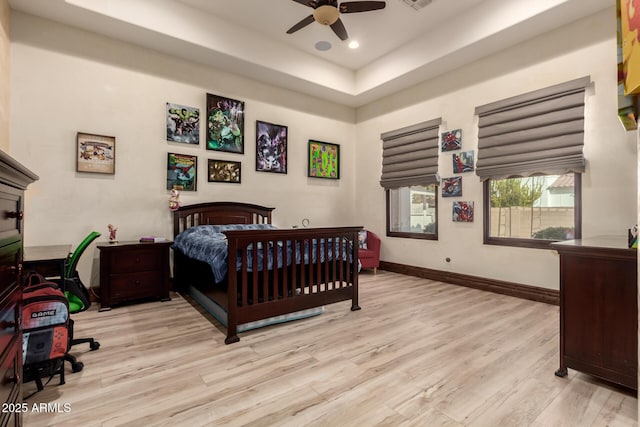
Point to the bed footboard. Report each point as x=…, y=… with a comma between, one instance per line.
x=283, y=271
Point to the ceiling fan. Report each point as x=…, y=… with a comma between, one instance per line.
x=327, y=12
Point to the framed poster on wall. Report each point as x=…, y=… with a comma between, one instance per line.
x=182, y=172
x=628, y=49
x=324, y=160
x=95, y=153
x=224, y=171
x=271, y=147
x=183, y=124
x=225, y=124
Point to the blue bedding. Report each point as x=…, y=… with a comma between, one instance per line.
x=207, y=243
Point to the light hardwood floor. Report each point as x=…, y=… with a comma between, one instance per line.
x=419, y=353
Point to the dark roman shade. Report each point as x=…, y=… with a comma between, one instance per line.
x=410, y=155
x=536, y=133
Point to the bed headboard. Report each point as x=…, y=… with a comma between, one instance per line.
x=219, y=213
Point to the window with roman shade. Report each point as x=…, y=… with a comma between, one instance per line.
x=537, y=133
x=410, y=155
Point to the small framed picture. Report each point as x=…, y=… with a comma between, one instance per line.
x=224, y=171
x=450, y=141
x=463, y=211
x=324, y=160
x=463, y=162
x=95, y=153
x=183, y=124
x=182, y=172
x=271, y=147
x=225, y=124
x=452, y=187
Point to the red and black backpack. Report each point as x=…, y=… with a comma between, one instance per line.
x=46, y=329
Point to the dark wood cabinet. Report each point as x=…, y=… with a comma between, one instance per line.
x=133, y=270
x=599, y=309
x=14, y=179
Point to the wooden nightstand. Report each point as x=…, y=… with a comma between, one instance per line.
x=133, y=270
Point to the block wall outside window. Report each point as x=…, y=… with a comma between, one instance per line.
x=532, y=211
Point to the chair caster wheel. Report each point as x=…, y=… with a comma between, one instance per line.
x=95, y=345
x=77, y=366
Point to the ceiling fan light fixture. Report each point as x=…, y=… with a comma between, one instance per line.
x=326, y=15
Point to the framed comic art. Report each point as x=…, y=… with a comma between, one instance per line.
x=224, y=171
x=451, y=187
x=629, y=27
x=462, y=211
x=628, y=49
x=324, y=160
x=183, y=124
x=462, y=162
x=182, y=172
x=451, y=140
x=225, y=124
x=95, y=153
x=271, y=147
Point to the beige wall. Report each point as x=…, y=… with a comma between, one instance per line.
x=5, y=26
x=586, y=47
x=65, y=80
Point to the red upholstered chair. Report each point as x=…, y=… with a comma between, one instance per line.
x=370, y=257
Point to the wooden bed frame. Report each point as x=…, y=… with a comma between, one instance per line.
x=247, y=296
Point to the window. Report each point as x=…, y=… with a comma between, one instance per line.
x=530, y=158
x=409, y=176
x=412, y=212
x=532, y=211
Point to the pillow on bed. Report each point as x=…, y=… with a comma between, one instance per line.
x=203, y=230
x=199, y=232
x=362, y=239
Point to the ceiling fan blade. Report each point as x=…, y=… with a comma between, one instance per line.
x=338, y=28
x=361, y=6
x=310, y=3
x=300, y=25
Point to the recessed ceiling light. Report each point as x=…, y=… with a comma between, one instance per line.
x=354, y=44
x=323, y=45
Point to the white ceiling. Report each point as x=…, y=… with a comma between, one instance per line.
x=399, y=46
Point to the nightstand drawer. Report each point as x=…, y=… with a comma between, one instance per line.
x=136, y=285
x=145, y=259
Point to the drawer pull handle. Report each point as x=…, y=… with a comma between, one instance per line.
x=18, y=214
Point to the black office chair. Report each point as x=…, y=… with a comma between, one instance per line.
x=78, y=297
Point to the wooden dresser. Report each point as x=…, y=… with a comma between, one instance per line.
x=133, y=270
x=599, y=309
x=14, y=179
